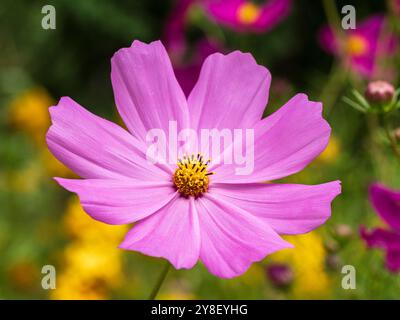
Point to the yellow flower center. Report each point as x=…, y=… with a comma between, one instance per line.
x=191, y=177
x=248, y=13
x=356, y=45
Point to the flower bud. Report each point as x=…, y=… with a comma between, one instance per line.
x=343, y=231
x=331, y=245
x=333, y=262
x=379, y=92
x=281, y=275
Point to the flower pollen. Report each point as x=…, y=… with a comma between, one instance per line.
x=248, y=13
x=191, y=177
x=356, y=45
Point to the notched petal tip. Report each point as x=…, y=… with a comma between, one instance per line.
x=336, y=188
x=139, y=46
x=243, y=58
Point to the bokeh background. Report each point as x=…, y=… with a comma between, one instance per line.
x=41, y=224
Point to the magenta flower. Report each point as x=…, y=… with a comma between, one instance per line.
x=175, y=30
x=362, y=46
x=187, y=62
x=183, y=213
x=386, y=202
x=245, y=15
x=187, y=71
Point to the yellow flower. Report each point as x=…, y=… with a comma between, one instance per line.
x=331, y=152
x=307, y=260
x=71, y=287
x=94, y=261
x=248, y=12
x=80, y=225
x=29, y=112
x=357, y=45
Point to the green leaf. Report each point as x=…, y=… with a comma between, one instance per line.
x=355, y=105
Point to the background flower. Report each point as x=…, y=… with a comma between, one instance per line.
x=387, y=205
x=310, y=279
x=91, y=266
x=361, y=47
x=244, y=15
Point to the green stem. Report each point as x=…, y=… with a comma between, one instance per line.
x=333, y=17
x=333, y=87
x=159, y=282
x=392, y=139
x=339, y=71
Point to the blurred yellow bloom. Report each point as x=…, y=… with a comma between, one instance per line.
x=94, y=260
x=307, y=260
x=248, y=12
x=331, y=152
x=356, y=45
x=80, y=225
x=70, y=286
x=29, y=113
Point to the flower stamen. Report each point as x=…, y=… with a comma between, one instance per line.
x=356, y=45
x=248, y=13
x=191, y=178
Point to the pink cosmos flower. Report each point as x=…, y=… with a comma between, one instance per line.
x=362, y=46
x=186, y=62
x=386, y=202
x=245, y=15
x=181, y=213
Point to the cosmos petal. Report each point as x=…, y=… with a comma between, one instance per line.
x=120, y=201
x=381, y=238
x=95, y=148
x=393, y=260
x=287, y=208
x=172, y=233
x=231, y=92
x=284, y=143
x=387, y=204
x=387, y=240
x=231, y=238
x=146, y=91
